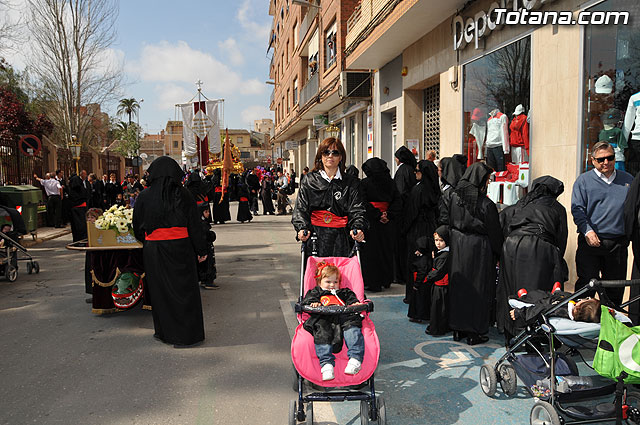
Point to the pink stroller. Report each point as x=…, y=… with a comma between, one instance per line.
x=343, y=387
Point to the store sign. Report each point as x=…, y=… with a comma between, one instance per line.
x=262, y=154
x=474, y=29
x=346, y=108
x=320, y=120
x=291, y=144
x=369, y=132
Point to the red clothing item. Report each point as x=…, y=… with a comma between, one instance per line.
x=519, y=132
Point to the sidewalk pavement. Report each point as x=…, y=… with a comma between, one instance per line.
x=45, y=234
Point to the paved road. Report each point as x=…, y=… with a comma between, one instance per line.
x=59, y=363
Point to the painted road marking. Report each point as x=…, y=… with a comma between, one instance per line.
x=458, y=352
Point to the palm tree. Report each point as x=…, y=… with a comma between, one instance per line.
x=128, y=107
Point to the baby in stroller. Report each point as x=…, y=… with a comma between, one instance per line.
x=328, y=331
x=532, y=304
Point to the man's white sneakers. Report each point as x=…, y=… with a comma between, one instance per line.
x=353, y=367
x=327, y=372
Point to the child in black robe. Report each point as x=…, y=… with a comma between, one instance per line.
x=438, y=279
x=243, y=204
x=419, y=297
x=207, y=269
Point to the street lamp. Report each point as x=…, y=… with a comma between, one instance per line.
x=75, y=148
x=332, y=131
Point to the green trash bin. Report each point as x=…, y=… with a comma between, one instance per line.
x=26, y=197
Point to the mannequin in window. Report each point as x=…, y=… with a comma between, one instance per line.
x=614, y=135
x=631, y=133
x=601, y=99
x=497, y=140
x=477, y=136
x=519, y=136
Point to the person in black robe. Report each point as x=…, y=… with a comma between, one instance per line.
x=207, y=271
x=420, y=292
x=220, y=203
x=78, y=200
x=243, y=204
x=266, y=194
x=451, y=172
x=199, y=189
x=419, y=216
x=253, y=183
x=438, y=280
x=533, y=251
x=384, y=209
x=632, y=230
x=329, y=203
x=165, y=219
x=476, y=243
x=353, y=170
x=405, y=179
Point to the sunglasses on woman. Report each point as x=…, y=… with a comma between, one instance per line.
x=330, y=152
x=609, y=158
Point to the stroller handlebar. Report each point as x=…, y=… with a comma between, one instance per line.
x=594, y=283
x=335, y=309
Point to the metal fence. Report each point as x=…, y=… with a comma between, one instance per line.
x=17, y=167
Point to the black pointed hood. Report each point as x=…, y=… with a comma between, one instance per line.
x=406, y=157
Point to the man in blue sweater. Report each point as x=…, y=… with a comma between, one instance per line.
x=597, y=205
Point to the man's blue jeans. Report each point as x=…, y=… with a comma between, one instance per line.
x=355, y=344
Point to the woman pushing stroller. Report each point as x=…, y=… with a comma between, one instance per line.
x=329, y=203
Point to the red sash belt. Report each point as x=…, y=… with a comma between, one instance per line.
x=168, y=234
x=243, y=199
x=323, y=218
x=443, y=282
x=218, y=189
x=84, y=204
x=382, y=206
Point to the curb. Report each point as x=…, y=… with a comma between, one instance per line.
x=54, y=235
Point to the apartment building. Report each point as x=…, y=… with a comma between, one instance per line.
x=443, y=70
x=313, y=97
x=153, y=146
x=173, y=140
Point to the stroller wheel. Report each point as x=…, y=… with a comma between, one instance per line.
x=382, y=411
x=364, y=412
x=29, y=267
x=633, y=401
x=543, y=413
x=508, y=379
x=292, y=412
x=310, y=413
x=11, y=273
x=36, y=267
x=488, y=380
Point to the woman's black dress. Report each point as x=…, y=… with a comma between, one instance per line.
x=170, y=265
x=476, y=243
x=533, y=252
x=405, y=179
x=452, y=170
x=379, y=193
x=340, y=196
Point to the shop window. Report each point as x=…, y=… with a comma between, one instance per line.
x=175, y=144
x=496, y=100
x=330, y=46
x=612, y=87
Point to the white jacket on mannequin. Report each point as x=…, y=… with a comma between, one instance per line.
x=497, y=131
x=632, y=117
x=478, y=131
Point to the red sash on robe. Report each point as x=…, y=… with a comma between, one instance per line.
x=382, y=206
x=167, y=234
x=323, y=218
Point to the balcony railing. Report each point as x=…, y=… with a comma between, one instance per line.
x=306, y=23
x=310, y=89
x=363, y=14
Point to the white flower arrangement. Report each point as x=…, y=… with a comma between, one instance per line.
x=117, y=218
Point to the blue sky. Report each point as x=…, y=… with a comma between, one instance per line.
x=166, y=46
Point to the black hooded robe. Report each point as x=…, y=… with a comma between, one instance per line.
x=265, y=194
x=632, y=230
x=220, y=208
x=419, y=220
x=405, y=179
x=533, y=252
x=78, y=200
x=452, y=170
x=420, y=291
x=379, y=192
x=243, y=204
x=341, y=197
x=170, y=265
x=476, y=242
